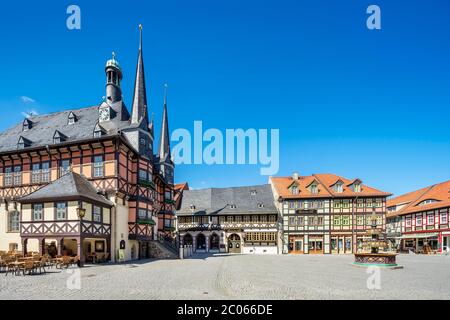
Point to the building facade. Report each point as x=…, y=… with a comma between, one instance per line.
x=104, y=145
x=233, y=220
x=418, y=221
x=325, y=213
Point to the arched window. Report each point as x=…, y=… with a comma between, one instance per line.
x=13, y=221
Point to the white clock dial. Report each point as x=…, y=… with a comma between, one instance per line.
x=104, y=114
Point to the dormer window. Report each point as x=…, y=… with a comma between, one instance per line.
x=427, y=201
x=58, y=137
x=72, y=118
x=98, y=131
x=23, y=143
x=253, y=192
x=357, y=187
x=232, y=206
x=27, y=124
x=192, y=207
x=314, y=188
x=294, y=189
x=260, y=205
x=338, y=187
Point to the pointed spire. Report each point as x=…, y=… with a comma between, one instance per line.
x=140, y=37
x=139, y=106
x=164, y=142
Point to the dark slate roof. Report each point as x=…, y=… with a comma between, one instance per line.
x=44, y=127
x=70, y=186
x=218, y=201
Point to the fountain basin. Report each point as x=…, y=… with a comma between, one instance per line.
x=381, y=259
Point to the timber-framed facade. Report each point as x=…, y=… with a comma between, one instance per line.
x=232, y=220
x=418, y=221
x=326, y=213
x=104, y=145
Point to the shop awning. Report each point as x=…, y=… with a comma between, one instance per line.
x=419, y=235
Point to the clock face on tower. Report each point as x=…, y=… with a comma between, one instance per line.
x=103, y=114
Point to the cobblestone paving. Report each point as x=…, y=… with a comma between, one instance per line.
x=239, y=277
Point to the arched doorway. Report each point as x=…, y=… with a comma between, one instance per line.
x=201, y=242
x=187, y=240
x=214, y=241
x=234, y=243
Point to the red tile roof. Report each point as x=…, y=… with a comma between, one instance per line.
x=325, y=190
x=412, y=200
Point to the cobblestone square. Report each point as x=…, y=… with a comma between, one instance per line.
x=238, y=277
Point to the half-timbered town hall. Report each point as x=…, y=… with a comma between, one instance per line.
x=88, y=181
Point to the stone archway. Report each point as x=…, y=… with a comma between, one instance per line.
x=201, y=242
x=234, y=243
x=214, y=241
x=187, y=239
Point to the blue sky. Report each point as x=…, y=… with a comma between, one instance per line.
x=347, y=100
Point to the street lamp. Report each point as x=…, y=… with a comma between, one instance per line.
x=81, y=212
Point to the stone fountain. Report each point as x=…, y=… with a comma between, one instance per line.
x=374, y=248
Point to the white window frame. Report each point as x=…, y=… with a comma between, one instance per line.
x=38, y=215
x=8, y=179
x=419, y=220
x=17, y=175
x=97, y=214
x=13, y=224
x=98, y=167
x=443, y=215
x=430, y=215
x=61, y=212
x=408, y=222
x=61, y=167
x=45, y=172
x=36, y=173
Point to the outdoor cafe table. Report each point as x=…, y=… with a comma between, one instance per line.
x=16, y=265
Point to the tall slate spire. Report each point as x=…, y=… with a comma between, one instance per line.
x=164, y=142
x=139, y=107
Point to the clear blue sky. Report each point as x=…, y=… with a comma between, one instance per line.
x=347, y=100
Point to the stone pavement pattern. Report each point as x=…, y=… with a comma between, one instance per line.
x=239, y=277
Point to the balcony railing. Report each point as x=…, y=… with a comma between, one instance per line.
x=226, y=225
